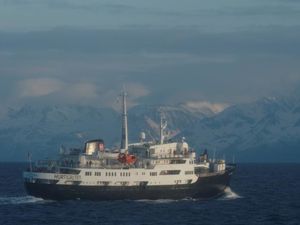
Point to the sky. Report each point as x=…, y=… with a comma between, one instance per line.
x=164, y=52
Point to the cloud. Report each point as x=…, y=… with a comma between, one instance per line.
x=136, y=90
x=71, y=5
x=151, y=42
x=166, y=66
x=48, y=90
x=210, y=16
x=267, y=10
x=190, y=9
x=204, y=105
x=203, y=53
x=38, y=87
x=52, y=89
x=81, y=91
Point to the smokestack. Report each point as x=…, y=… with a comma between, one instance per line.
x=124, y=139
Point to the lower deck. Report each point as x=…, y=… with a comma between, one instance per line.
x=204, y=187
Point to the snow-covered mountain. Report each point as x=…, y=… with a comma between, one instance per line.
x=147, y=118
x=265, y=130
x=41, y=129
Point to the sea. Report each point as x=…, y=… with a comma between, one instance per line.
x=259, y=194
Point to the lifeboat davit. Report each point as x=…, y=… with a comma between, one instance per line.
x=126, y=159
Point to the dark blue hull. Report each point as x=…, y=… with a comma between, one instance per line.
x=206, y=187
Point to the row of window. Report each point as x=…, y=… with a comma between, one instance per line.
x=109, y=174
x=125, y=183
x=166, y=172
x=127, y=174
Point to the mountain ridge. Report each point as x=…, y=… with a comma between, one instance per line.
x=264, y=130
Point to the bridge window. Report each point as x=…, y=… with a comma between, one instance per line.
x=88, y=173
x=177, y=161
x=169, y=172
x=189, y=172
x=153, y=173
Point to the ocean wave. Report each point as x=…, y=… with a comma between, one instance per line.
x=230, y=195
x=164, y=201
x=15, y=200
x=158, y=201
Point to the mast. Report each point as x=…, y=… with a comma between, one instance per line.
x=124, y=138
x=163, y=125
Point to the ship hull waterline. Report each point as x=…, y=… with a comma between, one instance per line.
x=206, y=187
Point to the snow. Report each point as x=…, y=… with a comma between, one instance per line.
x=42, y=129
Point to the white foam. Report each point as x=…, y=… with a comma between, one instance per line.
x=230, y=195
x=158, y=201
x=165, y=201
x=19, y=200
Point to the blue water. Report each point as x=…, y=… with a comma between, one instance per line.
x=259, y=194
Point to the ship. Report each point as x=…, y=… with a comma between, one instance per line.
x=155, y=169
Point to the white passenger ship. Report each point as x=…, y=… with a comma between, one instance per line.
x=143, y=170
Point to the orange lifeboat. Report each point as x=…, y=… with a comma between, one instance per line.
x=126, y=159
